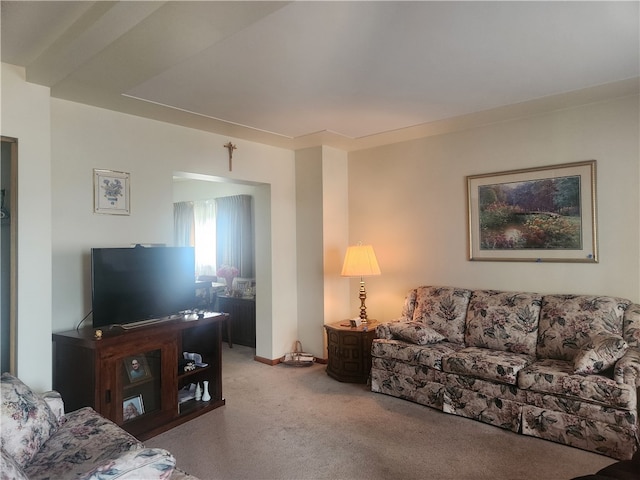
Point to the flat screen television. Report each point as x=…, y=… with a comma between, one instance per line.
x=131, y=285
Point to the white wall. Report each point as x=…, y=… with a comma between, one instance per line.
x=25, y=116
x=185, y=190
x=409, y=201
x=309, y=250
x=335, y=176
x=322, y=224
x=86, y=137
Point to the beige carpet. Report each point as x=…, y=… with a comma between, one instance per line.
x=297, y=423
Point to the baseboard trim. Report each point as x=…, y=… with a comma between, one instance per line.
x=267, y=361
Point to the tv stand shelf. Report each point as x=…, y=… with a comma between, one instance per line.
x=100, y=373
x=192, y=372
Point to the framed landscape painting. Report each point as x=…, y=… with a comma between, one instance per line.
x=544, y=214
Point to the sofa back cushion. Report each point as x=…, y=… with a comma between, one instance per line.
x=409, y=305
x=506, y=321
x=631, y=325
x=444, y=309
x=568, y=322
x=27, y=421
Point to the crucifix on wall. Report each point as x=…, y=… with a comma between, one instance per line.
x=231, y=147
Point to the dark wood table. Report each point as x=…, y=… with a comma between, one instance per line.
x=349, y=350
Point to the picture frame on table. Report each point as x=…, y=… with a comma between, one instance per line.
x=543, y=214
x=242, y=286
x=132, y=407
x=111, y=192
x=137, y=368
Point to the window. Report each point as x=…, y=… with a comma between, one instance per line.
x=221, y=231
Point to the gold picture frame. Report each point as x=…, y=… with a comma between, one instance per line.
x=544, y=214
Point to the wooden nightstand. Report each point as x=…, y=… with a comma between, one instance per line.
x=349, y=351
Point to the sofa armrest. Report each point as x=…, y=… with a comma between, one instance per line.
x=382, y=329
x=56, y=404
x=627, y=369
x=147, y=463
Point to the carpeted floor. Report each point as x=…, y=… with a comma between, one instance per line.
x=297, y=423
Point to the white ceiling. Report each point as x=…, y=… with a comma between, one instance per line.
x=348, y=74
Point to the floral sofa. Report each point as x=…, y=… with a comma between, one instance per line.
x=564, y=368
x=40, y=442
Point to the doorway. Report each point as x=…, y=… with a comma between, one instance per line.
x=8, y=253
x=190, y=187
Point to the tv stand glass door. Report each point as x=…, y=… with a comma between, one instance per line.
x=136, y=384
x=141, y=377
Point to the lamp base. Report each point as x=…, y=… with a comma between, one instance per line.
x=363, y=307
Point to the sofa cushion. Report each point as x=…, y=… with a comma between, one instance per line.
x=506, y=321
x=611, y=440
x=627, y=369
x=427, y=355
x=568, y=321
x=574, y=406
x=9, y=469
x=415, y=332
x=135, y=465
x=85, y=441
x=600, y=353
x=56, y=404
x=489, y=388
x=417, y=383
x=444, y=309
x=27, y=421
x=557, y=377
x=478, y=406
x=487, y=364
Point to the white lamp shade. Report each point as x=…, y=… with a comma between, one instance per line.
x=360, y=261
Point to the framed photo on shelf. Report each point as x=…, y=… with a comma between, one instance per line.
x=242, y=285
x=110, y=192
x=137, y=368
x=545, y=214
x=132, y=407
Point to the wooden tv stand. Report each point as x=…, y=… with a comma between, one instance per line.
x=98, y=373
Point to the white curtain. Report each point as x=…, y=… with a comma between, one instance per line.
x=205, y=236
x=221, y=231
x=235, y=241
x=183, y=224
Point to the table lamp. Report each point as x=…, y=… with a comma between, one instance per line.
x=360, y=261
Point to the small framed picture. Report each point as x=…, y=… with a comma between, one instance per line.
x=132, y=407
x=137, y=368
x=110, y=192
x=242, y=285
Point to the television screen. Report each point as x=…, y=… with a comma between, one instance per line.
x=129, y=285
